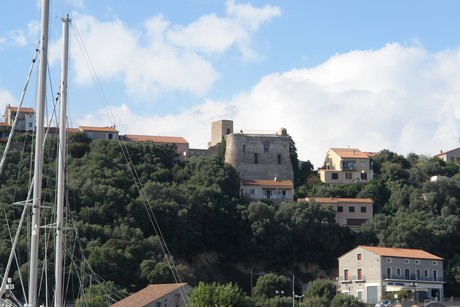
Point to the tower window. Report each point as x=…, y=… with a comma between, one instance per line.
x=265, y=147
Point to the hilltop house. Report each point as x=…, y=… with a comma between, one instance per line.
x=159, y=295
x=182, y=146
x=99, y=133
x=452, y=155
x=369, y=272
x=262, y=160
x=25, y=118
x=345, y=166
x=350, y=212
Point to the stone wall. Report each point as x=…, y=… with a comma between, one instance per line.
x=270, y=150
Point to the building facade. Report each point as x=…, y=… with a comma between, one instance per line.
x=25, y=118
x=346, y=166
x=275, y=190
x=450, y=155
x=369, y=272
x=350, y=212
x=99, y=133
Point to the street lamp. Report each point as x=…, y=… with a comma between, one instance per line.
x=300, y=297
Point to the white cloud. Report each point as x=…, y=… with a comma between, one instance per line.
x=404, y=99
x=6, y=98
x=163, y=57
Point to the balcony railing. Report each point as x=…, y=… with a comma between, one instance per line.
x=412, y=277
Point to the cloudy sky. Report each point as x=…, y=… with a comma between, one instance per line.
x=367, y=74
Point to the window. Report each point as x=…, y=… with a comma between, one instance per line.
x=358, y=257
x=158, y=304
x=435, y=275
x=268, y=194
x=279, y=159
x=426, y=273
x=351, y=209
x=435, y=263
x=349, y=165
x=244, y=148
x=256, y=158
x=265, y=147
x=283, y=194
x=110, y=136
x=360, y=274
x=348, y=176
x=252, y=192
x=417, y=261
x=407, y=273
x=388, y=260
x=228, y=130
x=360, y=295
x=398, y=271
x=345, y=275
x=407, y=261
x=335, y=176
x=363, y=209
x=363, y=175
x=388, y=273
x=419, y=274
x=339, y=209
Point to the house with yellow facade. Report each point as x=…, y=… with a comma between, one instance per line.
x=346, y=166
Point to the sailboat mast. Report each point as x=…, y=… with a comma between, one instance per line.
x=38, y=166
x=59, y=247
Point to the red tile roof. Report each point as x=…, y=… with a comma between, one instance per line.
x=97, y=129
x=350, y=153
x=155, y=139
x=446, y=152
x=269, y=183
x=148, y=294
x=400, y=252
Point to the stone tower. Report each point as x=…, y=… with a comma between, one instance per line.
x=219, y=129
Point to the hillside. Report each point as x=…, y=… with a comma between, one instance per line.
x=125, y=202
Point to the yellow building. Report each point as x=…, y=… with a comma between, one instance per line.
x=345, y=166
x=350, y=212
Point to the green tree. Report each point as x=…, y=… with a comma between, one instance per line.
x=345, y=300
x=215, y=294
x=325, y=288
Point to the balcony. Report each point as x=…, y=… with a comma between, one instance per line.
x=353, y=278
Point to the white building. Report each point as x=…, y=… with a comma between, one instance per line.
x=369, y=272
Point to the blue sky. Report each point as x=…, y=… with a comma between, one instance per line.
x=368, y=74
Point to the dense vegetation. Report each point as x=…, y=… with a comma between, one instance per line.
x=125, y=201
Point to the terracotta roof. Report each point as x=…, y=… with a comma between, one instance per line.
x=73, y=130
x=23, y=110
x=271, y=183
x=97, y=129
x=148, y=294
x=339, y=200
x=350, y=153
x=400, y=252
x=155, y=139
x=446, y=152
